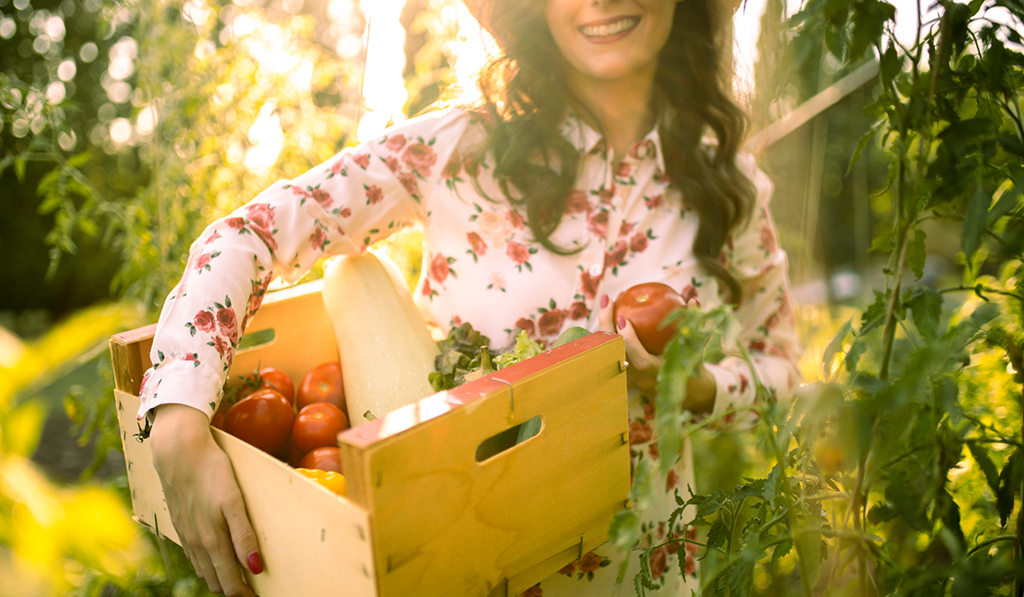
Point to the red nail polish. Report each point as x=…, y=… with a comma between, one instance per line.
x=620, y=322
x=604, y=301
x=255, y=563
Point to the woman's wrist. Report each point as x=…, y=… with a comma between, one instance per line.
x=176, y=425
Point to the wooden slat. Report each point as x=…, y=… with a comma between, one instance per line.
x=129, y=352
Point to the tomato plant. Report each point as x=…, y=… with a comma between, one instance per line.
x=326, y=458
x=646, y=306
x=263, y=419
x=322, y=384
x=318, y=425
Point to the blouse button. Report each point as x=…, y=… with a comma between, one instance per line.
x=596, y=269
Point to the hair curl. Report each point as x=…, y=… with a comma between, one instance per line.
x=526, y=100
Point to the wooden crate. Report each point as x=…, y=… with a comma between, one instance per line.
x=422, y=517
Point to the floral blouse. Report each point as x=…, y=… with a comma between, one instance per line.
x=482, y=266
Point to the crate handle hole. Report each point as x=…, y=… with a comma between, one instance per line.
x=256, y=339
x=506, y=440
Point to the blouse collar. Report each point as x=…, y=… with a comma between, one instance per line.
x=587, y=140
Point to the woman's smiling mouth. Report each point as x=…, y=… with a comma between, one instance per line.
x=609, y=29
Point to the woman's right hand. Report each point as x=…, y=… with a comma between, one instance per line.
x=203, y=499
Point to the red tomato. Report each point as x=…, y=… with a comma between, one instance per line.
x=646, y=306
x=279, y=380
x=318, y=425
x=290, y=454
x=263, y=419
x=270, y=377
x=322, y=384
x=327, y=458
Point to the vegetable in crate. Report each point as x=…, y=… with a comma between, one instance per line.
x=465, y=354
x=329, y=479
x=263, y=419
x=327, y=458
x=386, y=350
x=323, y=383
x=318, y=425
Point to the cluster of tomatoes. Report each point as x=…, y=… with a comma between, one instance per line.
x=297, y=425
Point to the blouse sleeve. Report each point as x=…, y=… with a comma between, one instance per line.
x=362, y=195
x=765, y=312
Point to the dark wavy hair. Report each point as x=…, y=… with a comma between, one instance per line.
x=526, y=99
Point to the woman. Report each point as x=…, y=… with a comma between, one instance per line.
x=584, y=171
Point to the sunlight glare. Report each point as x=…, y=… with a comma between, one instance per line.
x=267, y=139
x=383, y=87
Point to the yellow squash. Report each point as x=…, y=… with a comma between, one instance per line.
x=387, y=353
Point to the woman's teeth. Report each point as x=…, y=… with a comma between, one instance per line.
x=610, y=28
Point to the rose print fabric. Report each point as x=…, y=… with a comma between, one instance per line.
x=482, y=266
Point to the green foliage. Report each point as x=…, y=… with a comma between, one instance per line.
x=199, y=129
x=135, y=124
x=900, y=470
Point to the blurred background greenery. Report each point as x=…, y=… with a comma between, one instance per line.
x=128, y=125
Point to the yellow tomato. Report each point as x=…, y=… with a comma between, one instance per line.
x=329, y=479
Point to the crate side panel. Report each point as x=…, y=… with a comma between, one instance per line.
x=446, y=524
x=148, y=502
x=312, y=542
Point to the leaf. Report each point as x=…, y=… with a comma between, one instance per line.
x=861, y=146
x=959, y=136
x=781, y=549
x=874, y=315
x=625, y=529
x=718, y=534
x=23, y=427
x=741, y=577
x=890, y=65
x=980, y=455
x=1008, y=202
x=974, y=221
x=917, y=253
x=926, y=308
x=984, y=313
x=1009, y=483
x=709, y=505
x=771, y=484
x=835, y=345
x=1011, y=144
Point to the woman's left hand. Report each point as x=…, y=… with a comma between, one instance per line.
x=642, y=366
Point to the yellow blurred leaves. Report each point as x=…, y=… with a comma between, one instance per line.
x=33, y=364
x=59, y=530
x=58, y=537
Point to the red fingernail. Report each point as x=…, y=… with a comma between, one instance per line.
x=604, y=301
x=255, y=563
x=620, y=322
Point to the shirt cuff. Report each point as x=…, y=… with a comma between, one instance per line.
x=181, y=381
